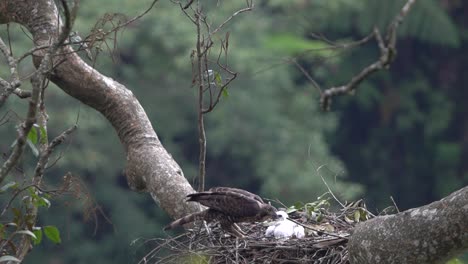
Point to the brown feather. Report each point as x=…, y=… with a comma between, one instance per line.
x=238, y=204
x=186, y=219
x=228, y=206
x=209, y=215
x=230, y=203
x=244, y=192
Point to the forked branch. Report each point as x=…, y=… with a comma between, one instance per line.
x=210, y=76
x=388, y=51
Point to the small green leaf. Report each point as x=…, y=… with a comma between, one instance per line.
x=38, y=239
x=319, y=217
x=53, y=234
x=9, y=258
x=364, y=215
x=37, y=200
x=218, y=79
x=323, y=203
x=33, y=148
x=43, y=202
x=225, y=92
x=309, y=208
x=43, y=137
x=27, y=232
x=357, y=216
x=8, y=186
x=32, y=135
x=298, y=205
x=454, y=261
x=33, y=194
x=291, y=209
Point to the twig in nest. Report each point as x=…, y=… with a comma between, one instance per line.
x=327, y=247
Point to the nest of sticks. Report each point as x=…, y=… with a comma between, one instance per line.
x=325, y=241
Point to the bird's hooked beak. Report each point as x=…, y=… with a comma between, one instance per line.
x=276, y=216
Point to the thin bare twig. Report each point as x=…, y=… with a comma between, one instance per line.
x=99, y=34
x=328, y=187
x=223, y=87
x=248, y=8
x=203, y=75
x=201, y=125
x=320, y=246
x=44, y=158
x=394, y=204
x=37, y=80
x=188, y=4
x=19, y=191
x=307, y=75
x=9, y=87
x=388, y=53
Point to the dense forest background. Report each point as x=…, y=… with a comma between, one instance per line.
x=404, y=134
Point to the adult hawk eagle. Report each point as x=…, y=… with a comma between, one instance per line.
x=228, y=206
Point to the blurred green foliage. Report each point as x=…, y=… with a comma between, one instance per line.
x=402, y=134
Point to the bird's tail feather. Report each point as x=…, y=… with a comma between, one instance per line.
x=186, y=219
x=193, y=197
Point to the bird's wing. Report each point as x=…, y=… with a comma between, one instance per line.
x=270, y=231
x=229, y=202
x=299, y=231
x=244, y=192
x=284, y=230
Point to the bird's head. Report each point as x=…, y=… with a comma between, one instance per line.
x=281, y=215
x=267, y=212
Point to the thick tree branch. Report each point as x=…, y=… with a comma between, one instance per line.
x=12, y=86
x=432, y=233
x=149, y=167
x=387, y=54
x=37, y=114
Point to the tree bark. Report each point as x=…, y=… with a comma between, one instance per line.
x=150, y=168
x=429, y=234
x=432, y=233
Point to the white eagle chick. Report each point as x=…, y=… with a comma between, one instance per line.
x=284, y=229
